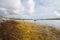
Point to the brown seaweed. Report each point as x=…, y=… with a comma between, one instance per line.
x=14, y=30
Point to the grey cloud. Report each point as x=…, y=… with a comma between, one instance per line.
x=10, y=6
x=20, y=7
x=16, y=7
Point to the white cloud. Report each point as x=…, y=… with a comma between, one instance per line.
x=11, y=6
x=46, y=7
x=2, y=9
x=31, y=5
x=56, y=13
x=11, y=3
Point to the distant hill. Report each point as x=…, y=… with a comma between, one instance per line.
x=51, y=19
x=37, y=19
x=30, y=19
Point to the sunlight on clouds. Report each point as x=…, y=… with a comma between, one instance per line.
x=57, y=13
x=16, y=11
x=11, y=7
x=31, y=4
x=30, y=8
x=16, y=7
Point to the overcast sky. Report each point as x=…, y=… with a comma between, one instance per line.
x=30, y=8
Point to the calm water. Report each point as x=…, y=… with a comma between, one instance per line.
x=55, y=23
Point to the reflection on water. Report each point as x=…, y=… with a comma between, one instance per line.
x=55, y=23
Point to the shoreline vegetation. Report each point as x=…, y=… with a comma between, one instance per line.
x=20, y=30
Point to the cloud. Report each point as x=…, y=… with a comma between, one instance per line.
x=46, y=8
x=16, y=7
x=29, y=8
x=56, y=13
x=11, y=4
x=11, y=7
x=31, y=5
x=3, y=12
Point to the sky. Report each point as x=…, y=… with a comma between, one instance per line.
x=35, y=9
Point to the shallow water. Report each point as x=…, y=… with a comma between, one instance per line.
x=55, y=23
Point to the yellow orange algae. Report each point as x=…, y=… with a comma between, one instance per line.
x=14, y=30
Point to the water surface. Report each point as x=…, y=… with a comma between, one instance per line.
x=55, y=23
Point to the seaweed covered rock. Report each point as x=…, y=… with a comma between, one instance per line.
x=17, y=30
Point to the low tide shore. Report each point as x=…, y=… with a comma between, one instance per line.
x=23, y=30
